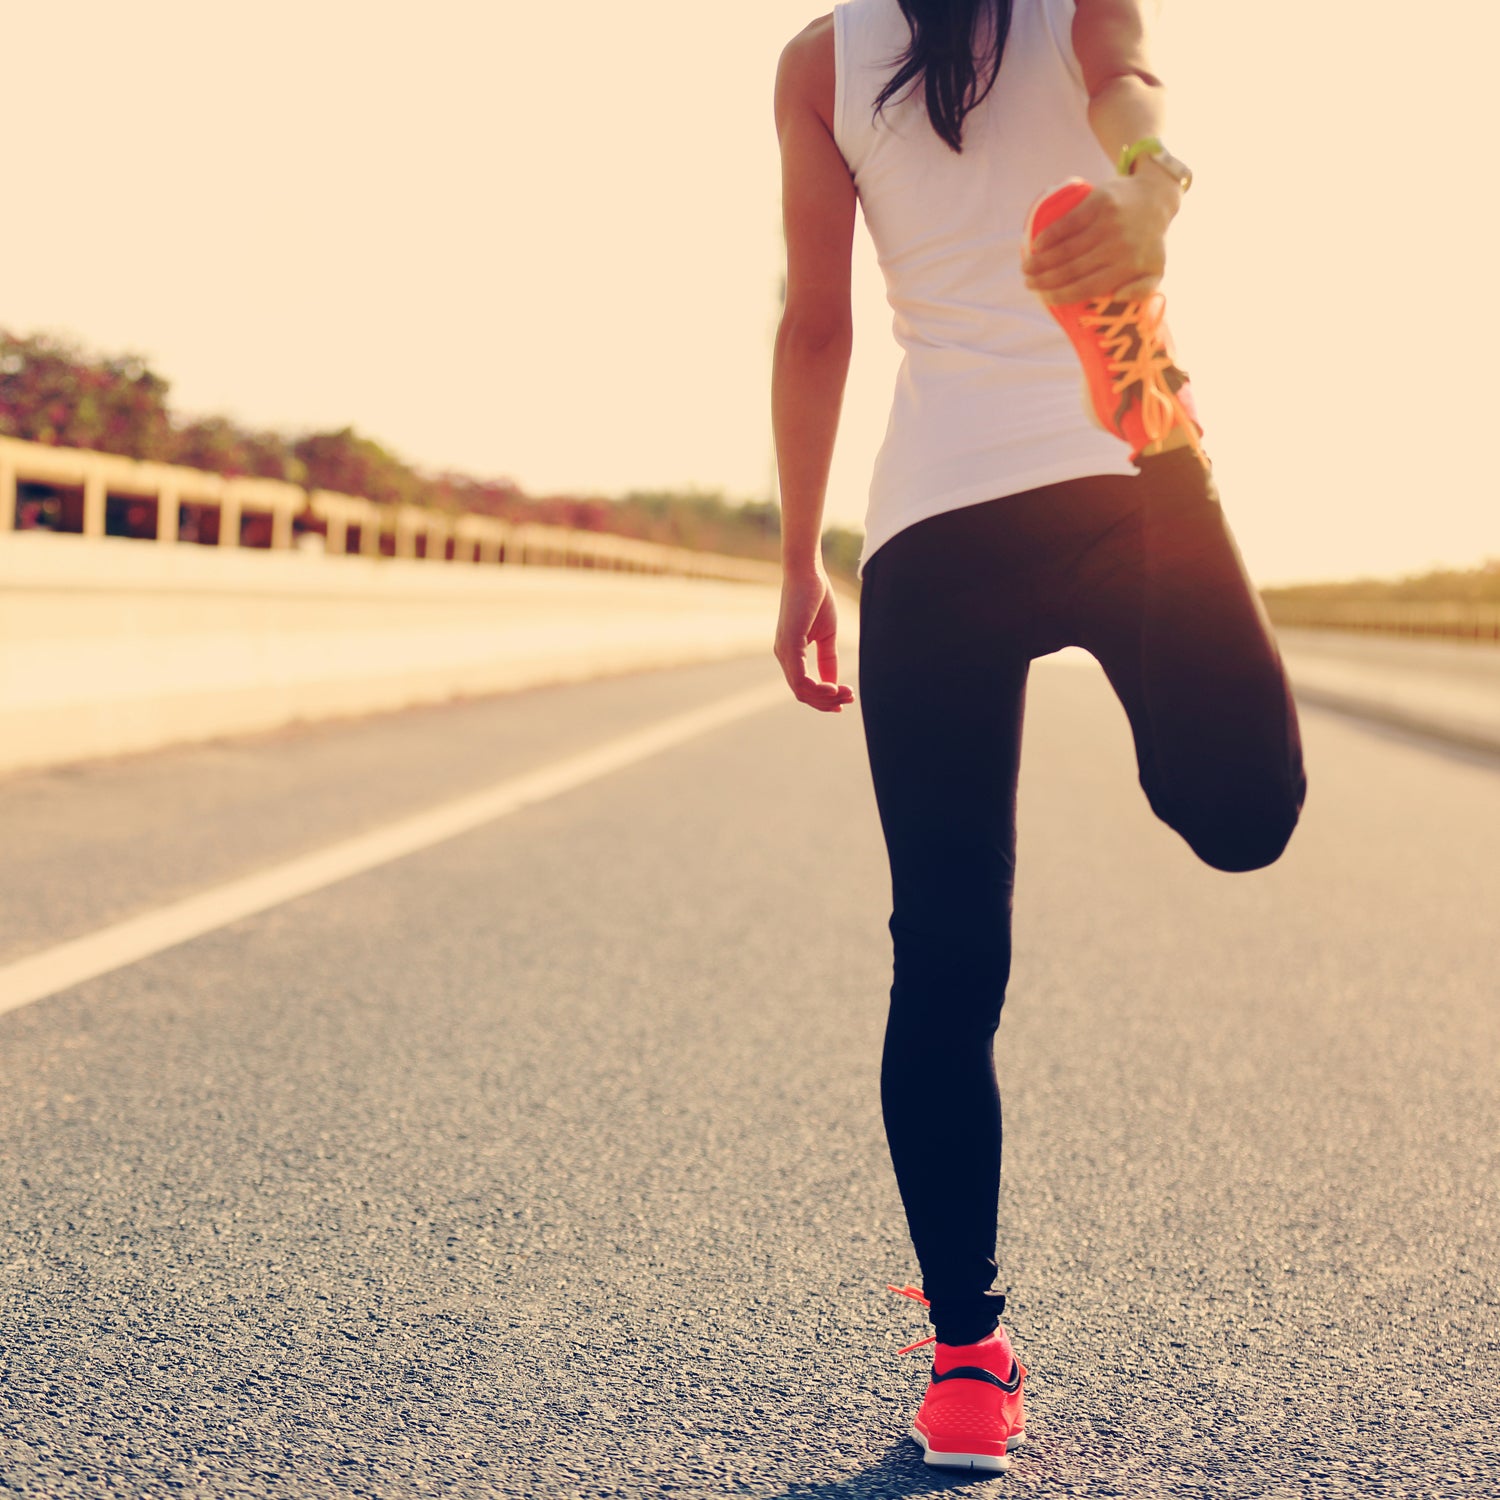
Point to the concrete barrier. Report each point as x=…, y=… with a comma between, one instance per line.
x=92, y=479
x=1457, y=619
x=109, y=645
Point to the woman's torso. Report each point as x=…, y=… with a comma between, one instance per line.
x=988, y=399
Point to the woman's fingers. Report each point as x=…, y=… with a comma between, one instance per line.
x=1078, y=231
x=1102, y=282
x=1104, y=248
x=1075, y=222
x=828, y=659
x=1094, y=278
x=830, y=695
x=1096, y=274
x=808, y=618
x=1087, y=256
x=827, y=696
x=825, y=640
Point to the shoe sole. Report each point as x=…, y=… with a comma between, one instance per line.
x=1088, y=392
x=1083, y=381
x=994, y=1463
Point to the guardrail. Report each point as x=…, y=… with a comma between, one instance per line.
x=352, y=525
x=1477, y=621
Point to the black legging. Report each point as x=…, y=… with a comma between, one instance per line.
x=1143, y=572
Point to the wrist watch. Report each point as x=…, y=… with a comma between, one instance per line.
x=1152, y=148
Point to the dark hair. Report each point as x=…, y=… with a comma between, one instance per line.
x=942, y=49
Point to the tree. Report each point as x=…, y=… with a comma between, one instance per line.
x=51, y=392
x=355, y=465
x=220, y=446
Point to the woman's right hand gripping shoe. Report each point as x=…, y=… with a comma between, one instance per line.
x=972, y=1412
x=1133, y=386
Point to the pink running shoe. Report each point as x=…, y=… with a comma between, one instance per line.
x=974, y=1409
x=1133, y=385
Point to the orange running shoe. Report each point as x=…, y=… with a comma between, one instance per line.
x=973, y=1411
x=1133, y=385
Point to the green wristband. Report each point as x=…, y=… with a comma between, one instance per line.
x=1147, y=146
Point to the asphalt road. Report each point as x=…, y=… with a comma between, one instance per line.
x=1448, y=687
x=548, y=1161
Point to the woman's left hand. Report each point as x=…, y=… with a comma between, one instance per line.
x=1114, y=244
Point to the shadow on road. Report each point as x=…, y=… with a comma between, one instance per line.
x=1476, y=750
x=898, y=1472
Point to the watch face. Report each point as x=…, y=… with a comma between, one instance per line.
x=1179, y=169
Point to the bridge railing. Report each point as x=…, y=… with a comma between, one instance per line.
x=353, y=524
x=1476, y=620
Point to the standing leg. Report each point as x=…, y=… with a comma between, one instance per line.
x=1184, y=639
x=942, y=678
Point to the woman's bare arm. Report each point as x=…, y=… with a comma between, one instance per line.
x=1126, y=99
x=811, y=360
x=1114, y=243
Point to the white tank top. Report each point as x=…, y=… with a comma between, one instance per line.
x=988, y=399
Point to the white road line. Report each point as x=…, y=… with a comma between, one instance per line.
x=59, y=968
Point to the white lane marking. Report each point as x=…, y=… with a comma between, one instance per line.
x=53, y=969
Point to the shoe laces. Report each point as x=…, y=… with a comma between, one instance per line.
x=916, y=1296
x=1136, y=355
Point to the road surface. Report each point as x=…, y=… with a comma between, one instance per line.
x=547, y=1160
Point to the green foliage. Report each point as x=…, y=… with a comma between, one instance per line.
x=486, y=497
x=704, y=520
x=1440, y=586
x=51, y=392
x=355, y=465
x=841, y=548
x=222, y=447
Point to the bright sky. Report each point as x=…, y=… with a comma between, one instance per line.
x=544, y=242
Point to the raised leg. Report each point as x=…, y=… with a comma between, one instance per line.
x=1185, y=641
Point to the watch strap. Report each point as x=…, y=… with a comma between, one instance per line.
x=1151, y=146
x=1136, y=149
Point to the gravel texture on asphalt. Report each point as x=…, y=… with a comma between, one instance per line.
x=548, y=1161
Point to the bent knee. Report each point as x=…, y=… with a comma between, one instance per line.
x=1251, y=840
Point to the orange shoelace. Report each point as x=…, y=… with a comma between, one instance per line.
x=916, y=1296
x=1130, y=333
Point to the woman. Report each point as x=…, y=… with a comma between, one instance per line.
x=1004, y=523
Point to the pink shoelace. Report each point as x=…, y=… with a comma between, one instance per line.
x=916, y=1296
x=1130, y=334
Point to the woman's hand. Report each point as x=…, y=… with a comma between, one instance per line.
x=1114, y=244
x=808, y=618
